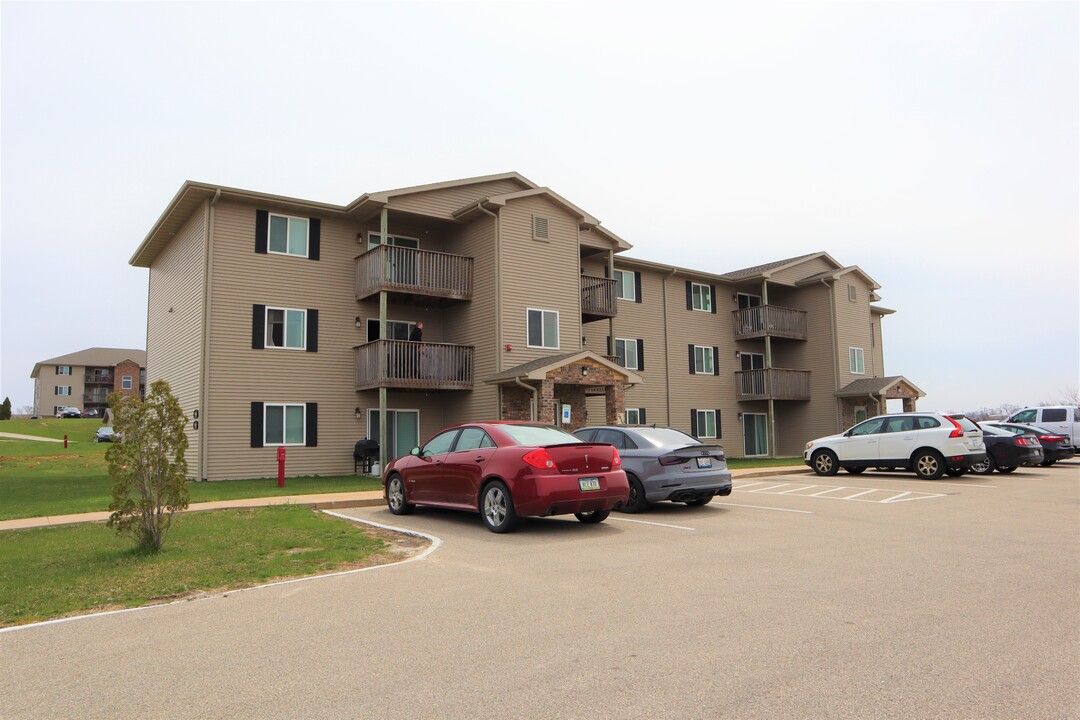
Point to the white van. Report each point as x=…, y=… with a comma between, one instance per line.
x=1062, y=419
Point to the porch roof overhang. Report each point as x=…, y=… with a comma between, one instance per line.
x=876, y=386
x=538, y=369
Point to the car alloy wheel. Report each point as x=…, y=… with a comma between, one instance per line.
x=395, y=496
x=497, y=508
x=985, y=467
x=824, y=462
x=929, y=465
x=636, y=502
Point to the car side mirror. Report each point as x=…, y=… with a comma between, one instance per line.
x=848, y=433
x=415, y=451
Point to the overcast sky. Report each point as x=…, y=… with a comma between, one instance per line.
x=934, y=145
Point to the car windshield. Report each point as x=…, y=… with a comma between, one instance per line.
x=105, y=430
x=538, y=435
x=665, y=437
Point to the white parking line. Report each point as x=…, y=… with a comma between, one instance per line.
x=762, y=507
x=646, y=522
x=886, y=496
x=767, y=489
x=866, y=492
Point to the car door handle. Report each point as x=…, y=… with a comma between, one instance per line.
x=480, y=458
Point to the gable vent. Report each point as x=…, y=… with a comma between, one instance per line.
x=540, y=228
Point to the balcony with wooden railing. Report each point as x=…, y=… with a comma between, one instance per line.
x=769, y=321
x=95, y=379
x=408, y=365
x=409, y=273
x=772, y=384
x=597, y=298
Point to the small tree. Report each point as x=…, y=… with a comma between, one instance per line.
x=148, y=468
x=5, y=409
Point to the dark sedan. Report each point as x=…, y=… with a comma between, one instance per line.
x=1055, y=446
x=505, y=470
x=1005, y=452
x=665, y=464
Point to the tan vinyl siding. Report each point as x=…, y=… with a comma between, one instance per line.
x=240, y=374
x=46, y=383
x=879, y=351
x=802, y=270
x=853, y=326
x=443, y=203
x=538, y=274
x=175, y=320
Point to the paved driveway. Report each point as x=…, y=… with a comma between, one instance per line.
x=770, y=605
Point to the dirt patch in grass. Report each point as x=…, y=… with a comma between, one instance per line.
x=39, y=457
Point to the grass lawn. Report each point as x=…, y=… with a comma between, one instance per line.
x=743, y=463
x=42, y=478
x=52, y=572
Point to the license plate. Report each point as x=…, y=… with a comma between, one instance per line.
x=704, y=462
x=587, y=484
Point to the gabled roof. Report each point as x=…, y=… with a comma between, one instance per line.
x=837, y=274
x=875, y=386
x=539, y=368
x=384, y=196
x=94, y=357
x=764, y=271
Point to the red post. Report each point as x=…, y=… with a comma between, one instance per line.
x=65, y=441
x=281, y=467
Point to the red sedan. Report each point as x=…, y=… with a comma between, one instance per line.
x=505, y=470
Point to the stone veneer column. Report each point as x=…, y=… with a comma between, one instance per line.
x=546, y=411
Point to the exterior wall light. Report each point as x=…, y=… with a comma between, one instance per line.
x=584, y=371
x=358, y=413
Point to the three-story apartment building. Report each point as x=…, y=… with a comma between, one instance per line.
x=84, y=379
x=285, y=322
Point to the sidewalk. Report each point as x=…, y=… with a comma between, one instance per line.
x=324, y=501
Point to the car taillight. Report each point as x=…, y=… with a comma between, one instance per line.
x=957, y=430
x=616, y=460
x=1051, y=438
x=539, y=459
x=671, y=460
x=1024, y=441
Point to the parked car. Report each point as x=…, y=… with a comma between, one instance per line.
x=505, y=470
x=89, y=413
x=930, y=444
x=1054, y=446
x=1005, y=452
x=69, y=412
x=1061, y=419
x=106, y=434
x=664, y=464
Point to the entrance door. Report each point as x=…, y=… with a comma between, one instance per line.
x=402, y=431
x=755, y=434
x=749, y=301
x=403, y=263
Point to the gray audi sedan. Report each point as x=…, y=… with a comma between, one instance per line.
x=664, y=464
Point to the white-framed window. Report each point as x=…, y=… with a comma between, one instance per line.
x=288, y=235
x=625, y=285
x=702, y=297
x=63, y=369
x=125, y=382
x=635, y=416
x=284, y=424
x=856, y=361
x=852, y=293
x=404, y=241
x=703, y=360
x=395, y=329
x=706, y=423
x=62, y=390
x=543, y=328
x=286, y=328
x=626, y=350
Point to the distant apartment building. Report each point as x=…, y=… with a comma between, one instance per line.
x=84, y=379
x=286, y=322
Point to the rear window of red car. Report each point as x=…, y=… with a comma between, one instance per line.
x=538, y=435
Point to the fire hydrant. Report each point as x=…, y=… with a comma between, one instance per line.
x=281, y=467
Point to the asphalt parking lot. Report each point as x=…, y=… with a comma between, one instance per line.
x=865, y=596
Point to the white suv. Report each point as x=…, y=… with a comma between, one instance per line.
x=931, y=444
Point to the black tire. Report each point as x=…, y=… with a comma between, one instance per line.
x=955, y=472
x=1007, y=469
x=928, y=464
x=637, y=501
x=855, y=470
x=885, y=468
x=699, y=502
x=497, y=508
x=593, y=516
x=1047, y=463
x=395, y=496
x=985, y=467
x=825, y=463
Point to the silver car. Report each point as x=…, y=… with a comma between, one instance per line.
x=664, y=464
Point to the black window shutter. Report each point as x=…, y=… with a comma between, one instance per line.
x=641, y=416
x=693, y=423
x=312, y=330
x=637, y=287
x=689, y=296
x=715, y=360
x=712, y=298
x=691, y=347
x=311, y=420
x=640, y=354
x=262, y=230
x=258, y=327
x=719, y=433
x=256, y=424
x=314, y=237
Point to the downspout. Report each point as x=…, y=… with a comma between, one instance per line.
x=667, y=338
x=204, y=464
x=835, y=352
x=536, y=398
x=498, y=300
x=384, y=236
